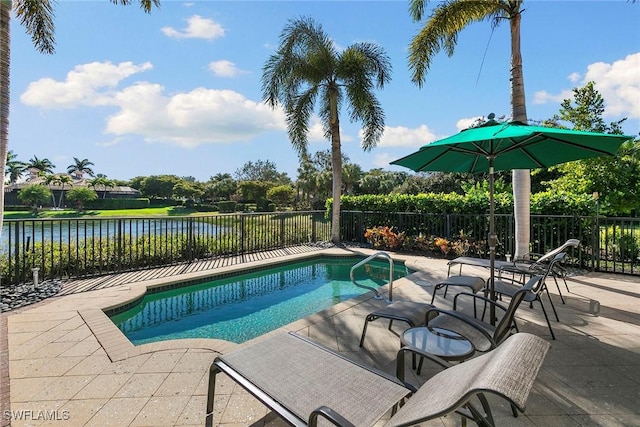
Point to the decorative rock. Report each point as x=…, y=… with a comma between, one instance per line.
x=12, y=297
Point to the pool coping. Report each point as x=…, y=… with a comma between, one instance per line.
x=118, y=347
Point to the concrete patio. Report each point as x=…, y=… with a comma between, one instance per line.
x=68, y=365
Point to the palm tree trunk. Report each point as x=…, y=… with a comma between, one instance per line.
x=5, y=58
x=336, y=167
x=521, y=177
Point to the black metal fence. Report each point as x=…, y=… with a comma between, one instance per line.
x=71, y=248
x=65, y=248
x=607, y=244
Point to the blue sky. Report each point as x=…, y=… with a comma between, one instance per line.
x=179, y=91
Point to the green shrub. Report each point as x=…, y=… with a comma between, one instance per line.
x=227, y=206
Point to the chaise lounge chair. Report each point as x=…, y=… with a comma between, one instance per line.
x=308, y=384
x=531, y=264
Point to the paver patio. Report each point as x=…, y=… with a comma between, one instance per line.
x=69, y=365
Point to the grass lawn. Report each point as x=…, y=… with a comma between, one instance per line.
x=69, y=213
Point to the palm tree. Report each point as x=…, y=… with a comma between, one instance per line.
x=307, y=67
x=37, y=18
x=50, y=180
x=103, y=181
x=15, y=168
x=440, y=32
x=63, y=180
x=80, y=167
x=40, y=166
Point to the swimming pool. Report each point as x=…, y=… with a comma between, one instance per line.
x=241, y=307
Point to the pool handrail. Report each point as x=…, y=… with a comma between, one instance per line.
x=366, y=260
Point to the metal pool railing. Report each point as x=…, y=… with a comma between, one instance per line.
x=64, y=248
x=77, y=248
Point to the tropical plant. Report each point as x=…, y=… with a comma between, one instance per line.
x=103, y=181
x=50, y=180
x=307, y=67
x=42, y=166
x=15, y=168
x=80, y=167
x=63, y=180
x=80, y=196
x=37, y=18
x=440, y=32
x=34, y=195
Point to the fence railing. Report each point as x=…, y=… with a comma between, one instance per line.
x=71, y=248
x=64, y=248
x=607, y=244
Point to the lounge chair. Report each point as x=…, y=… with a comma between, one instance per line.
x=530, y=264
x=483, y=335
x=509, y=287
x=308, y=384
x=409, y=312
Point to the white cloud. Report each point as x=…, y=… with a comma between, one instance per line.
x=200, y=116
x=574, y=77
x=224, y=68
x=465, y=123
x=87, y=84
x=383, y=160
x=192, y=118
x=618, y=83
x=197, y=28
x=542, y=96
x=401, y=136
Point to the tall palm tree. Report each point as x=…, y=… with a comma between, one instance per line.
x=37, y=18
x=63, y=180
x=15, y=168
x=50, y=180
x=105, y=182
x=440, y=32
x=41, y=166
x=307, y=67
x=80, y=167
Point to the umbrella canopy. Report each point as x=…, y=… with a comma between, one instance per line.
x=512, y=145
x=505, y=146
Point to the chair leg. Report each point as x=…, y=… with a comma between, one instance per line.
x=555, y=279
x=364, y=329
x=553, y=307
x=544, y=311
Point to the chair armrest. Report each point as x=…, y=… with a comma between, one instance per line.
x=467, y=320
x=478, y=297
x=330, y=415
x=400, y=363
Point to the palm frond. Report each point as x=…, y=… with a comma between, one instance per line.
x=37, y=17
x=442, y=29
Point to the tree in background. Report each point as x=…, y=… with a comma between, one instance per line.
x=40, y=166
x=307, y=67
x=37, y=18
x=63, y=180
x=15, y=168
x=104, y=182
x=440, y=32
x=616, y=179
x=34, y=195
x=261, y=170
x=80, y=167
x=159, y=186
x=80, y=196
x=282, y=195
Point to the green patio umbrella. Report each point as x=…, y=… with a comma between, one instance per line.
x=495, y=146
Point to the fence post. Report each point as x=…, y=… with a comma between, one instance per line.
x=242, y=233
x=313, y=227
x=16, y=279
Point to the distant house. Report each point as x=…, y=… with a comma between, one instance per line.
x=115, y=192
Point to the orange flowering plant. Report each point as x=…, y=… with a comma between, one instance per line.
x=383, y=237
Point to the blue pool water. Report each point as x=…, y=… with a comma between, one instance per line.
x=242, y=307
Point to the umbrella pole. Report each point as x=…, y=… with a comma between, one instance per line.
x=493, y=239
